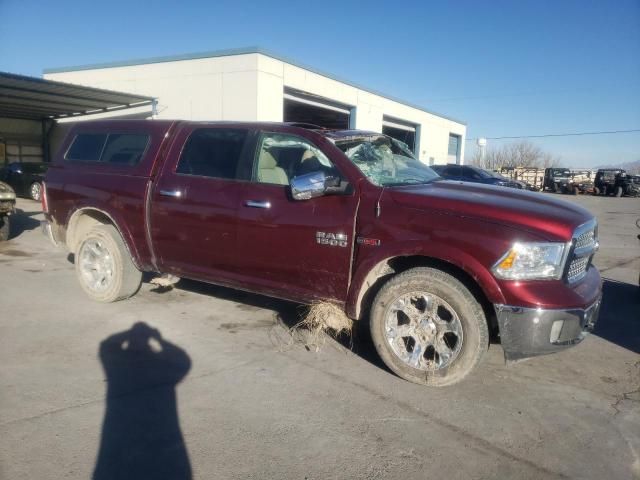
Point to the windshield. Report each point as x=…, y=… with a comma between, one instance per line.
x=482, y=173
x=561, y=171
x=497, y=175
x=386, y=162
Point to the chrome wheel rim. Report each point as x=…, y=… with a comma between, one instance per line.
x=96, y=265
x=35, y=191
x=423, y=331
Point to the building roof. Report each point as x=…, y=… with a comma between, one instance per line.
x=34, y=98
x=239, y=51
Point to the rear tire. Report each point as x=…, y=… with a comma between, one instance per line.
x=35, y=191
x=104, y=267
x=5, y=228
x=426, y=350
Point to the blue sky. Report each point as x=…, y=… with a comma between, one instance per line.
x=506, y=68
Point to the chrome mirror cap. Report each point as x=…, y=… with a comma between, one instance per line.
x=310, y=185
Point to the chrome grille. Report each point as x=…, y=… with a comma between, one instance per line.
x=587, y=239
x=585, y=244
x=577, y=269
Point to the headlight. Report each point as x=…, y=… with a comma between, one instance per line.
x=529, y=261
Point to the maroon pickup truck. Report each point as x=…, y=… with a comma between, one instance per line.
x=348, y=217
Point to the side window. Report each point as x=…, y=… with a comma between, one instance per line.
x=87, y=147
x=281, y=157
x=452, y=172
x=124, y=148
x=213, y=152
x=118, y=148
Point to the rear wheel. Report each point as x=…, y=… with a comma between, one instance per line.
x=35, y=191
x=428, y=328
x=104, y=267
x=5, y=228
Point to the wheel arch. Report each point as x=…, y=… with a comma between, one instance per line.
x=85, y=218
x=477, y=279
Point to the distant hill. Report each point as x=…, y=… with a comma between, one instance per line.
x=630, y=167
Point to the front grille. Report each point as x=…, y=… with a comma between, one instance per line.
x=577, y=269
x=585, y=244
x=587, y=239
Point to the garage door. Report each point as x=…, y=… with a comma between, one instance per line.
x=301, y=107
x=400, y=130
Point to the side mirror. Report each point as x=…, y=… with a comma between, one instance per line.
x=309, y=185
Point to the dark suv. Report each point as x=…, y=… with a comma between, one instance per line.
x=615, y=181
x=469, y=173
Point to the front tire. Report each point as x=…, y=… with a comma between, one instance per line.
x=619, y=192
x=428, y=328
x=35, y=191
x=104, y=267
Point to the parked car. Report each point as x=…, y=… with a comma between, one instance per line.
x=346, y=217
x=25, y=178
x=470, y=173
x=7, y=207
x=558, y=180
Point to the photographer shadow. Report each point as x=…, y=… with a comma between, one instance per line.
x=141, y=435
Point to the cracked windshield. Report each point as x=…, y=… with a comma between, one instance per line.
x=386, y=162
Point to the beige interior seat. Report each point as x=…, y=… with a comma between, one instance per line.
x=269, y=171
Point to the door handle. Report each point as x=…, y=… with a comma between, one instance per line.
x=257, y=204
x=171, y=193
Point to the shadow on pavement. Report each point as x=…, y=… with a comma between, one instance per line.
x=21, y=222
x=141, y=436
x=289, y=314
x=619, y=320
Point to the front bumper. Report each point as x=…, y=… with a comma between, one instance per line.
x=527, y=332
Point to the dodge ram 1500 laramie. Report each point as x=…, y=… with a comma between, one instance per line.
x=343, y=216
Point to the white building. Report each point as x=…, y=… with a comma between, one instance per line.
x=254, y=85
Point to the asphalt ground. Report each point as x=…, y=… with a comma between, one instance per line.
x=223, y=391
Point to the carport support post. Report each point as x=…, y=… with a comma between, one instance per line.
x=46, y=154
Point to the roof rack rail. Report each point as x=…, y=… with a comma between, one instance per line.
x=310, y=126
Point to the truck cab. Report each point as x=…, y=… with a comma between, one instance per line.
x=341, y=216
x=558, y=180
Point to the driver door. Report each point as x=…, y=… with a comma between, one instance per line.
x=283, y=244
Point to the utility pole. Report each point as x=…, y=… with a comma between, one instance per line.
x=482, y=145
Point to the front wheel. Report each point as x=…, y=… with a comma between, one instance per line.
x=428, y=328
x=35, y=191
x=104, y=267
x=619, y=192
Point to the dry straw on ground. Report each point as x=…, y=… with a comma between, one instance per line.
x=321, y=318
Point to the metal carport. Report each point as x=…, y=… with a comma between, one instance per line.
x=26, y=100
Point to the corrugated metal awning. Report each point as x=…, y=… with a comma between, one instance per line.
x=34, y=98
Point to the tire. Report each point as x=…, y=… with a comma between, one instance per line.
x=575, y=190
x=596, y=191
x=104, y=267
x=556, y=188
x=619, y=192
x=5, y=228
x=35, y=191
x=456, y=301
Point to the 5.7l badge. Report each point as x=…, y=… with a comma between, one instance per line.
x=332, y=239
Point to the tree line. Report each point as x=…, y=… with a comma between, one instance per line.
x=516, y=154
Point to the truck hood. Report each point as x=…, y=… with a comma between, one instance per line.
x=535, y=212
